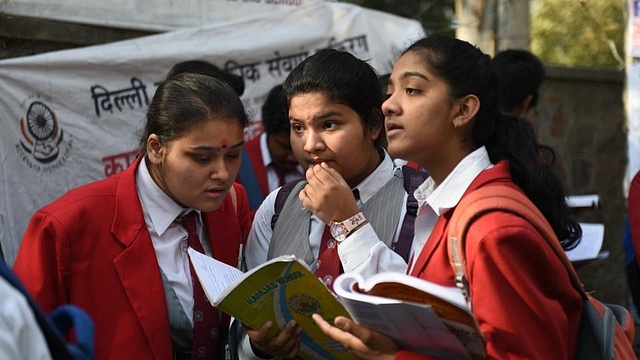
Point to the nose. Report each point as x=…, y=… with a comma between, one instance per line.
x=220, y=169
x=313, y=142
x=390, y=106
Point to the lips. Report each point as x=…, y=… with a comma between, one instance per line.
x=316, y=161
x=392, y=128
x=217, y=191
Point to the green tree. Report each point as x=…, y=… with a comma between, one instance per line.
x=586, y=33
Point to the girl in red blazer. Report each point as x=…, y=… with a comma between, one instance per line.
x=116, y=247
x=442, y=113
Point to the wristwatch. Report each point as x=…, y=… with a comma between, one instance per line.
x=341, y=229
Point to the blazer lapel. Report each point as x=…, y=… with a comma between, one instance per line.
x=433, y=243
x=137, y=266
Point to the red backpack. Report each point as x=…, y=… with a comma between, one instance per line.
x=606, y=330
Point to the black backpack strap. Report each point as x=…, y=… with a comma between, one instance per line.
x=412, y=179
x=281, y=198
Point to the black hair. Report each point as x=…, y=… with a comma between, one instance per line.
x=520, y=74
x=206, y=68
x=188, y=99
x=383, y=80
x=275, y=112
x=343, y=79
x=467, y=71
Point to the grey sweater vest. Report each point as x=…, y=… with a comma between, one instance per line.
x=291, y=231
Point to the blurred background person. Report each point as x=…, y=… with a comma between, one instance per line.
x=520, y=75
x=267, y=160
x=206, y=68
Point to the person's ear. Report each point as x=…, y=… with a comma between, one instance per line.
x=525, y=106
x=155, y=149
x=466, y=109
x=375, y=130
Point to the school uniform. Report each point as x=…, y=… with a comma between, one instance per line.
x=92, y=248
x=366, y=251
x=363, y=251
x=521, y=293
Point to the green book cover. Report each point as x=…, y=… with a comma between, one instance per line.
x=279, y=290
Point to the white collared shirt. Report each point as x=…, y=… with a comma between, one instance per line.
x=169, y=238
x=273, y=181
x=434, y=201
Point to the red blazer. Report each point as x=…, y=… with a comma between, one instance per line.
x=633, y=211
x=521, y=293
x=255, y=156
x=91, y=248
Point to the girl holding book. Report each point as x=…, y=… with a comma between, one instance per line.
x=117, y=247
x=442, y=112
x=337, y=133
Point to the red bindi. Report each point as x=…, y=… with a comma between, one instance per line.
x=223, y=143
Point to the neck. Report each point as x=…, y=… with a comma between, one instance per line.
x=373, y=161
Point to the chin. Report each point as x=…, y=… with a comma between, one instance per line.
x=209, y=207
x=396, y=152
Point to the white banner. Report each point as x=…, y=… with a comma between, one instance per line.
x=71, y=117
x=151, y=15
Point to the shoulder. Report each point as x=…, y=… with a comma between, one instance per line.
x=501, y=240
x=86, y=196
x=634, y=187
x=498, y=227
x=494, y=228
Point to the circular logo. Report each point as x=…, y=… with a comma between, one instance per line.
x=304, y=305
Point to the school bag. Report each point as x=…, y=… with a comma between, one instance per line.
x=56, y=326
x=412, y=179
x=606, y=330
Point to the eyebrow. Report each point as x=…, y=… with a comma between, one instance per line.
x=217, y=148
x=409, y=74
x=320, y=117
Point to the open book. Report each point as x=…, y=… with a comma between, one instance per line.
x=421, y=316
x=279, y=290
x=283, y=289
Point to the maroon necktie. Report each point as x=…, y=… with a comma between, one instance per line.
x=205, y=317
x=329, y=265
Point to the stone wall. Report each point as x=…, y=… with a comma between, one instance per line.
x=581, y=115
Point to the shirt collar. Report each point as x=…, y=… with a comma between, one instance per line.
x=377, y=179
x=160, y=208
x=264, y=149
x=446, y=196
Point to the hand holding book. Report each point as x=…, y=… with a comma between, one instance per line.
x=418, y=315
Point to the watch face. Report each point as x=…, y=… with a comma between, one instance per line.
x=338, y=232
